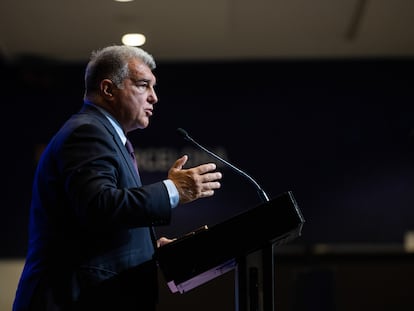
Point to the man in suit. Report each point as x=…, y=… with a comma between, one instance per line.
x=91, y=238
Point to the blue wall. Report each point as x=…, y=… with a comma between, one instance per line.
x=337, y=133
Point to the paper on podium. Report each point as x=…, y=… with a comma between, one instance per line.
x=202, y=278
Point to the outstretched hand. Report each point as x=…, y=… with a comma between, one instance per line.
x=196, y=182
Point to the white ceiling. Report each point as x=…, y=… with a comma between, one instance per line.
x=210, y=29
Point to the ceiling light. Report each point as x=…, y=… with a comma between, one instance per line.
x=124, y=0
x=133, y=39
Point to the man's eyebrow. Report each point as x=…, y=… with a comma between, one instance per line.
x=141, y=80
x=144, y=80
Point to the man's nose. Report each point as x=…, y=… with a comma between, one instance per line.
x=152, y=97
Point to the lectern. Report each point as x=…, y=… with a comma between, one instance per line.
x=245, y=242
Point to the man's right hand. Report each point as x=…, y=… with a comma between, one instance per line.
x=196, y=182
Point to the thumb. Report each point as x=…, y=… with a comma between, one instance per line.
x=180, y=162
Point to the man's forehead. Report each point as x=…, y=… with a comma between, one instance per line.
x=140, y=70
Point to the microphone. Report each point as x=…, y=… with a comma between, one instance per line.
x=262, y=194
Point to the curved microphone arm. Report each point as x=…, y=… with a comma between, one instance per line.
x=262, y=193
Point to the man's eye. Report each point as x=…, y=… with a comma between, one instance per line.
x=142, y=86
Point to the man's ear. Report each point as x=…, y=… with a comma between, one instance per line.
x=107, y=88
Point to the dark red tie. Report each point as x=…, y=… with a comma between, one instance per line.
x=131, y=151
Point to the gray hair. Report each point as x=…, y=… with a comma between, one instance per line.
x=112, y=63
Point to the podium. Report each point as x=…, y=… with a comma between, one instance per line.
x=244, y=242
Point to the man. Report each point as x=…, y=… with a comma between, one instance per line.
x=91, y=238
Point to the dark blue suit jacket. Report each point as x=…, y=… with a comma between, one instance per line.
x=91, y=220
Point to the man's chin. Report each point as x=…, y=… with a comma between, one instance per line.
x=144, y=124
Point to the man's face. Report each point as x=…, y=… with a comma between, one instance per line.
x=135, y=101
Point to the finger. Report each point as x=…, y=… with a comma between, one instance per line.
x=211, y=177
x=179, y=163
x=205, y=168
x=211, y=186
x=207, y=193
x=163, y=241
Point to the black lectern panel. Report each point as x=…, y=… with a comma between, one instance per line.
x=209, y=252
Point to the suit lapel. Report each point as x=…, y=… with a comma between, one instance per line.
x=126, y=157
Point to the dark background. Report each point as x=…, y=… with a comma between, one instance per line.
x=337, y=133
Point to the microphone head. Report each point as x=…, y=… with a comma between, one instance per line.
x=182, y=132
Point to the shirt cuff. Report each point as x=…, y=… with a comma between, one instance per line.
x=172, y=192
